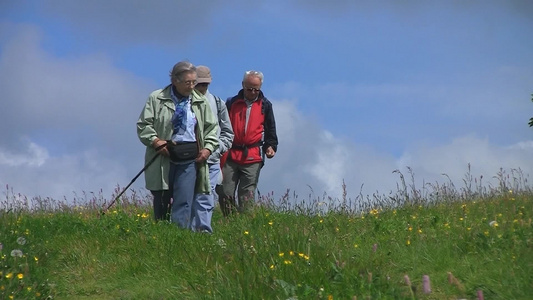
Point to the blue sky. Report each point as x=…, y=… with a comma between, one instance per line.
x=360, y=88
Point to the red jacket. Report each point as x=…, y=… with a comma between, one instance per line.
x=249, y=145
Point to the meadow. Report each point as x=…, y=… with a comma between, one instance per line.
x=434, y=242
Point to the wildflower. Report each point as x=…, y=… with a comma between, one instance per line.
x=330, y=297
x=9, y=275
x=287, y=262
x=321, y=221
x=461, y=218
x=410, y=228
x=281, y=254
x=29, y=288
x=486, y=233
x=306, y=257
x=407, y=280
x=493, y=224
x=301, y=254
x=246, y=232
x=408, y=242
x=271, y=267
x=21, y=241
x=144, y=215
x=270, y=223
x=16, y=253
x=355, y=246
x=20, y=275
x=291, y=253
x=414, y=217
x=419, y=230
x=221, y=243
x=37, y=294
x=468, y=228
x=426, y=284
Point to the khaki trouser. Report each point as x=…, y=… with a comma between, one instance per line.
x=240, y=178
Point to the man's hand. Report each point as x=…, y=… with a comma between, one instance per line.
x=203, y=155
x=163, y=151
x=270, y=152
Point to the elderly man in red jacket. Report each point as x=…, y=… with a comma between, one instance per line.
x=254, y=126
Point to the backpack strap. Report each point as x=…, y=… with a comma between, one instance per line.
x=217, y=101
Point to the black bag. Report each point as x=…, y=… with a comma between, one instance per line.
x=182, y=151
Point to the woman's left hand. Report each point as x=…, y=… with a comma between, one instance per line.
x=203, y=155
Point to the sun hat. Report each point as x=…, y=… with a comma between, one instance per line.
x=203, y=74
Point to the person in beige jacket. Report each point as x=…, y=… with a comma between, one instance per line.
x=178, y=114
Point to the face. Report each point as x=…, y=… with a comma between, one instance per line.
x=202, y=87
x=251, y=86
x=186, y=84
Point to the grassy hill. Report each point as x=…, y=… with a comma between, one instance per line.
x=469, y=246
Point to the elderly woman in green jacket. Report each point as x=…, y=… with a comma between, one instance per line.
x=179, y=116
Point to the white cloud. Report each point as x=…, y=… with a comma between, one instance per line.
x=35, y=156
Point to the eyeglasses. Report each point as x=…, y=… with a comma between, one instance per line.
x=203, y=84
x=252, y=90
x=189, y=82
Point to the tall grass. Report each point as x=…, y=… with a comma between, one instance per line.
x=436, y=242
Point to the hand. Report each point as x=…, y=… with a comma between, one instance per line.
x=203, y=155
x=163, y=151
x=270, y=152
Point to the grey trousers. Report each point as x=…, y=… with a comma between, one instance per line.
x=241, y=179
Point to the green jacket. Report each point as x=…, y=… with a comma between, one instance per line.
x=156, y=121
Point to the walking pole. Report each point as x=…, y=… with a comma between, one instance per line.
x=135, y=178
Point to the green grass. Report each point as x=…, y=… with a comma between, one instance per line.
x=464, y=246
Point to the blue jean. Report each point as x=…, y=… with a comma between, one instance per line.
x=205, y=203
x=183, y=179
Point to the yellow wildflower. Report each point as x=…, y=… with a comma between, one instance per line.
x=20, y=275
x=281, y=254
x=287, y=262
x=9, y=275
x=246, y=232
